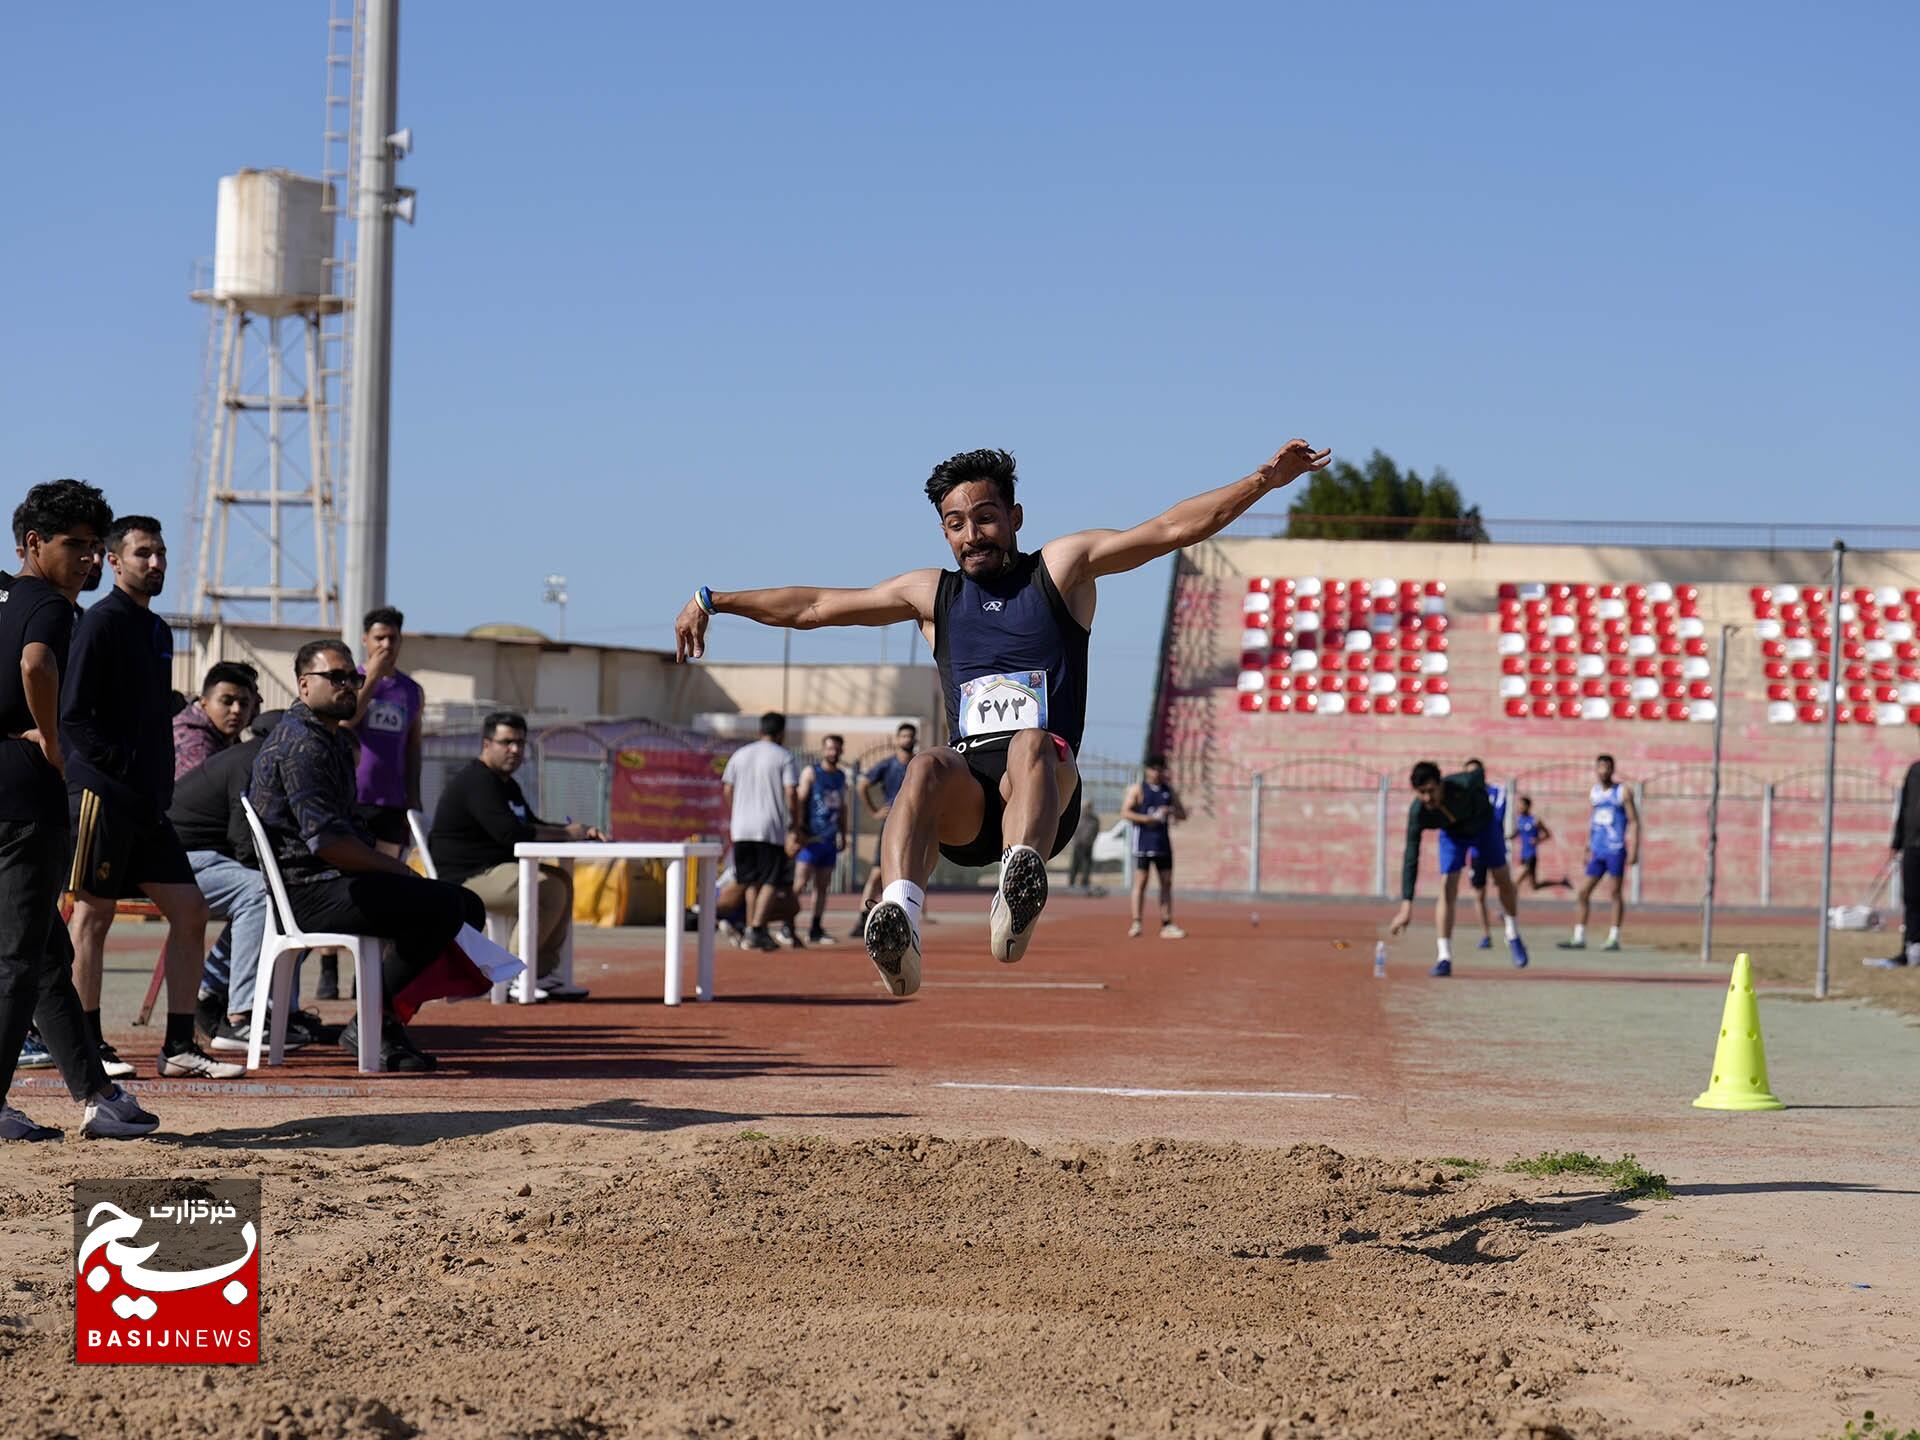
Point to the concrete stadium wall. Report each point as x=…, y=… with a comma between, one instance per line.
x=1327, y=780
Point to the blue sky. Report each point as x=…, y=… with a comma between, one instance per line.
x=700, y=293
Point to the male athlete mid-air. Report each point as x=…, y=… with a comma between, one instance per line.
x=1008, y=630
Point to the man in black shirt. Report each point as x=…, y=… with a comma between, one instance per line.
x=1459, y=807
x=481, y=816
x=116, y=713
x=303, y=788
x=1906, y=851
x=59, y=527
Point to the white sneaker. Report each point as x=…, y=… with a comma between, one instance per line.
x=1134, y=931
x=15, y=1126
x=1017, y=903
x=118, y=1116
x=1171, y=931
x=894, y=947
x=110, y=1061
x=193, y=1063
x=555, y=988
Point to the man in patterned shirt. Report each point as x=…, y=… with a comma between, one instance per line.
x=304, y=790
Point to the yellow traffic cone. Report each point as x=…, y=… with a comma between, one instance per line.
x=1740, y=1059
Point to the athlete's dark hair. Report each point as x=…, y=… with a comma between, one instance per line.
x=118, y=531
x=1603, y=756
x=839, y=740
x=1474, y=765
x=313, y=650
x=1425, y=773
x=1526, y=800
x=906, y=725
x=383, y=615
x=994, y=465
x=1156, y=761
x=773, y=723
x=512, y=719
x=178, y=701
x=54, y=507
x=226, y=672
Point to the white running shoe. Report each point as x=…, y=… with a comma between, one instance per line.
x=894, y=947
x=193, y=1063
x=110, y=1061
x=118, y=1116
x=1133, y=931
x=15, y=1126
x=1017, y=903
x=554, y=988
x=1171, y=931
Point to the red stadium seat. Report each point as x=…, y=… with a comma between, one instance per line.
x=1359, y=704
x=1437, y=685
x=1512, y=665
x=1806, y=694
x=1279, y=702
x=1386, y=704
x=1652, y=710
x=1357, y=684
x=1516, y=709
x=1671, y=670
x=1410, y=664
x=1306, y=702
x=1410, y=685
x=1594, y=688
x=1678, y=710
x=1569, y=709
x=1437, y=587
x=1253, y=702
x=1305, y=682
x=1381, y=661
x=1777, y=670
x=1567, y=689
x=1540, y=688
x=1436, y=644
x=1545, y=709
x=1674, y=689
x=1329, y=682
x=1646, y=669
x=1619, y=666
x=1779, y=692
x=1863, y=715
x=1413, y=705
x=1696, y=646
x=1623, y=710
x=1812, y=715
x=1699, y=690
x=1620, y=689
x=1566, y=665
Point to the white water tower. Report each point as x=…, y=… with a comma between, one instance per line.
x=268, y=489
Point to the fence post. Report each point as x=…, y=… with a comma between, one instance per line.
x=1766, y=844
x=1253, y=837
x=1640, y=809
x=853, y=882
x=1380, y=803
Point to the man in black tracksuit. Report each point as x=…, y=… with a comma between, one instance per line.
x=117, y=718
x=1906, y=849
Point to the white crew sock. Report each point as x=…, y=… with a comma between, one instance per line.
x=910, y=896
x=1513, y=928
x=1446, y=948
x=1579, y=933
x=1613, y=935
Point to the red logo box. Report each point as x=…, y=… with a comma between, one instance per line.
x=166, y=1272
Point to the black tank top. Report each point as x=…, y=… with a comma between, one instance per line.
x=1011, y=655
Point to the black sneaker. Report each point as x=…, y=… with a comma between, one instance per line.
x=859, y=930
x=759, y=939
x=786, y=939
x=817, y=936
x=210, y=1014
x=235, y=1035
x=110, y=1061
x=329, y=986
x=397, y=1050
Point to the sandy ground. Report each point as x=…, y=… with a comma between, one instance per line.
x=782, y=1214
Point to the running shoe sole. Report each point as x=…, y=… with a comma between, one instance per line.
x=1017, y=903
x=1518, y=949
x=1569, y=945
x=104, y=1124
x=892, y=948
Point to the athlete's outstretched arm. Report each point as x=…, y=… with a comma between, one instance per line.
x=1090, y=554
x=808, y=607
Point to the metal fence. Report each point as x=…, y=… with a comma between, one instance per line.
x=1330, y=825
x=1693, y=535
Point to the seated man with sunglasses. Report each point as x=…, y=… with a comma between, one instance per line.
x=304, y=790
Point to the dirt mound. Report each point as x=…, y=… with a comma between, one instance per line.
x=584, y=1285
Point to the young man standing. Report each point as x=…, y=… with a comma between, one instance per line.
x=117, y=722
x=1150, y=808
x=1613, y=844
x=1008, y=630
x=828, y=821
x=213, y=722
x=1476, y=866
x=1459, y=807
x=887, y=777
x=60, y=525
x=763, y=796
x=386, y=721
x=1906, y=854
x=482, y=815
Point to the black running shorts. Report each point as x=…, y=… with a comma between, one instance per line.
x=113, y=857
x=987, y=759
x=756, y=862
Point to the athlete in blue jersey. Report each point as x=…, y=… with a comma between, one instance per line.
x=824, y=812
x=1150, y=809
x=1476, y=862
x=1008, y=629
x=887, y=777
x=1530, y=832
x=1613, y=844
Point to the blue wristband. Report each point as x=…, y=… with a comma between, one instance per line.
x=703, y=597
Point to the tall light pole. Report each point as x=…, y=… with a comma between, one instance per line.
x=1713, y=804
x=364, y=578
x=556, y=594
x=1836, y=629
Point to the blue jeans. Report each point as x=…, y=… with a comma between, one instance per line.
x=239, y=896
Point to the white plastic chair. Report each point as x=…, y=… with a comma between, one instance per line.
x=499, y=927
x=279, y=948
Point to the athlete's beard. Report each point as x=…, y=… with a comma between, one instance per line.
x=1006, y=559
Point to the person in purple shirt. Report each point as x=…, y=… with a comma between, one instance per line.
x=386, y=722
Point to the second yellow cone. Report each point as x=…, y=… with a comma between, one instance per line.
x=1740, y=1057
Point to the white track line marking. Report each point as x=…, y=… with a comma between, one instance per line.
x=1012, y=985
x=1134, y=1093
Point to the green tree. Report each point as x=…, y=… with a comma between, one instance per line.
x=1387, y=503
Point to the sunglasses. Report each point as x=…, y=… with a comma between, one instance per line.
x=345, y=679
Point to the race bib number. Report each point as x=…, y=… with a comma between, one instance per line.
x=1603, y=816
x=385, y=716
x=993, y=704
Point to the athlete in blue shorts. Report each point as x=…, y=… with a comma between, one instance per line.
x=1531, y=832
x=1477, y=867
x=1459, y=807
x=1613, y=844
x=887, y=777
x=823, y=809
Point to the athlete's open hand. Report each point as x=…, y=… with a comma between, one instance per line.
x=1402, y=918
x=690, y=632
x=1291, y=461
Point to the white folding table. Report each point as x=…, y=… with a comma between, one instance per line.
x=704, y=855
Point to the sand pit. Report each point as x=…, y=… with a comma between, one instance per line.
x=654, y=1285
